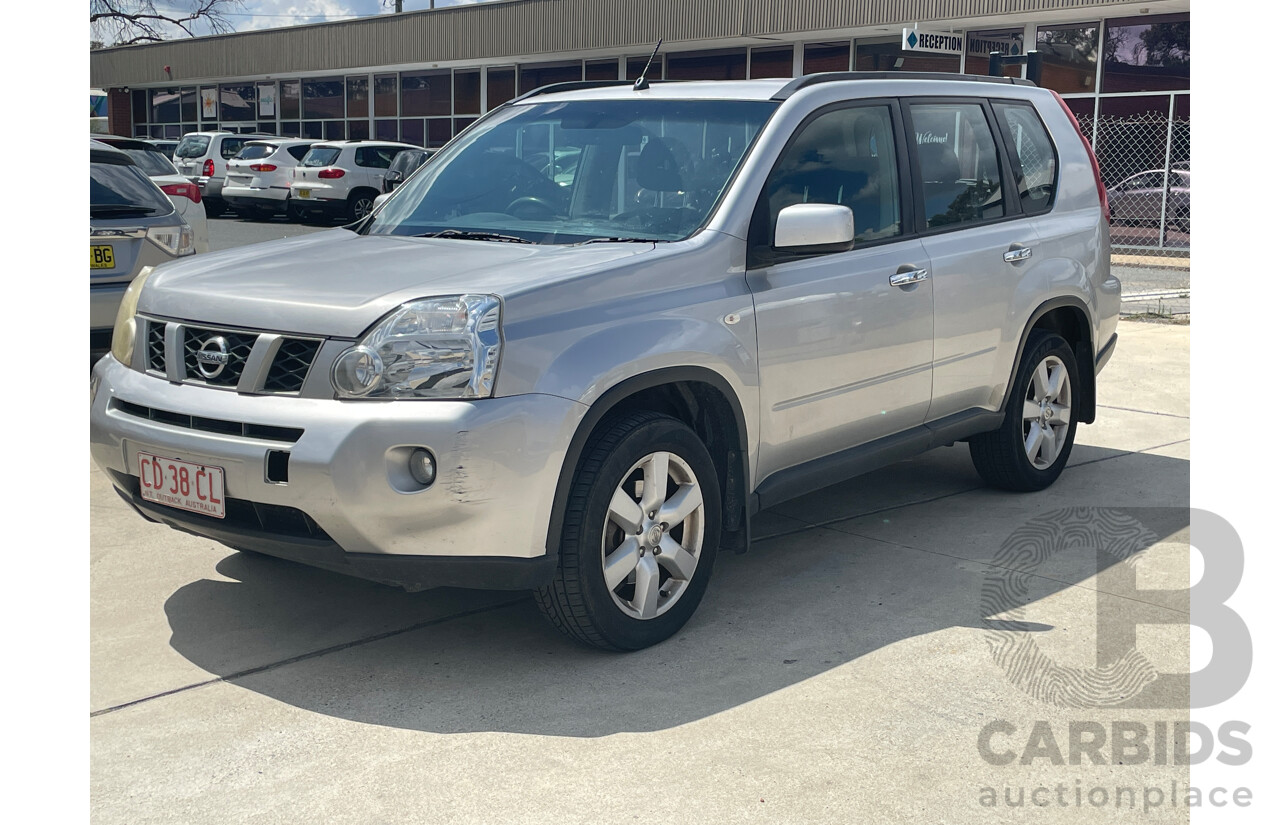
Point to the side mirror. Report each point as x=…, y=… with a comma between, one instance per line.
x=814, y=227
x=381, y=199
x=394, y=176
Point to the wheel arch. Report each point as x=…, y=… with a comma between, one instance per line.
x=1069, y=317
x=697, y=396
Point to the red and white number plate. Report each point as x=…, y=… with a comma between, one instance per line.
x=182, y=484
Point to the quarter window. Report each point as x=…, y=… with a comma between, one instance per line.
x=845, y=157
x=1035, y=166
x=956, y=164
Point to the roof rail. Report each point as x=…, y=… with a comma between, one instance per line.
x=575, y=85
x=835, y=77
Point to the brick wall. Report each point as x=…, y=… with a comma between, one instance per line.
x=119, y=113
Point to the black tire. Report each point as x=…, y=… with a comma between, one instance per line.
x=214, y=207
x=578, y=601
x=1000, y=456
x=360, y=204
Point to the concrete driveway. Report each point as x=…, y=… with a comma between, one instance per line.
x=844, y=670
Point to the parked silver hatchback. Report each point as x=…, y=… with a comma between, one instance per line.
x=606, y=325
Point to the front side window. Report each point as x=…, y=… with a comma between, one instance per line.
x=568, y=172
x=1035, y=165
x=956, y=164
x=847, y=157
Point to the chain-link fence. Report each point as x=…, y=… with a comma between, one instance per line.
x=1146, y=167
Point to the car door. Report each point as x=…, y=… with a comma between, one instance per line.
x=978, y=242
x=844, y=356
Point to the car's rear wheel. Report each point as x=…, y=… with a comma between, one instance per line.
x=641, y=527
x=360, y=204
x=1034, y=441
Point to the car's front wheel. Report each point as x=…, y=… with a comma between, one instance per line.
x=1034, y=441
x=641, y=527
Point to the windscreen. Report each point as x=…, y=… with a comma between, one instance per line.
x=118, y=190
x=584, y=170
x=256, y=151
x=192, y=146
x=321, y=156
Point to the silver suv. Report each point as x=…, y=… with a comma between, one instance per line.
x=605, y=326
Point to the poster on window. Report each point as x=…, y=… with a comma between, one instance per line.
x=209, y=104
x=267, y=100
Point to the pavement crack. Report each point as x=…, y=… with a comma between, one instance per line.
x=302, y=657
x=1144, y=412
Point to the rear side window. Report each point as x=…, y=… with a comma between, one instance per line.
x=321, y=156
x=256, y=151
x=231, y=147
x=956, y=164
x=298, y=152
x=377, y=157
x=1035, y=166
x=192, y=146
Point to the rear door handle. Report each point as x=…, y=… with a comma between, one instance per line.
x=909, y=277
x=1016, y=253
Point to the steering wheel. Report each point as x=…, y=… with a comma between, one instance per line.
x=531, y=202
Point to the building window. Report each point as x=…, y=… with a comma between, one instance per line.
x=1070, y=55
x=412, y=131
x=439, y=131
x=1147, y=54
x=502, y=86
x=772, y=62
x=888, y=56
x=386, y=95
x=358, y=96
x=239, y=102
x=426, y=93
x=602, y=70
x=357, y=130
x=290, y=99
x=166, y=106
x=725, y=64
x=466, y=92
x=1008, y=42
x=544, y=74
x=385, y=129
x=140, y=106
x=635, y=65
x=323, y=97
x=826, y=57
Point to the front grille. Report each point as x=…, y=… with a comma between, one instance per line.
x=155, y=346
x=290, y=367
x=238, y=347
x=285, y=373
x=265, y=432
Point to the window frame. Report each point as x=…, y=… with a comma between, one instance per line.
x=763, y=255
x=1013, y=209
x=1015, y=162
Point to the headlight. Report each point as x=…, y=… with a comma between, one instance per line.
x=122, y=337
x=434, y=348
x=176, y=240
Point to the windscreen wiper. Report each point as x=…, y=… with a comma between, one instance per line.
x=622, y=240
x=469, y=235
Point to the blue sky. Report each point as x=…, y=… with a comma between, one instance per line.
x=266, y=14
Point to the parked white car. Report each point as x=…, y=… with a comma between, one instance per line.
x=259, y=177
x=184, y=194
x=203, y=156
x=341, y=178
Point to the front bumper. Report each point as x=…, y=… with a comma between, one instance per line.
x=348, y=504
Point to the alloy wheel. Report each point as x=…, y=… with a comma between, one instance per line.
x=1046, y=412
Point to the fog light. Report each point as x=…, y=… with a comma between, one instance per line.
x=422, y=466
x=357, y=372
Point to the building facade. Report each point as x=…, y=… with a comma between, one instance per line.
x=422, y=77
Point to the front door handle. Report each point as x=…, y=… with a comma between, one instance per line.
x=1016, y=253
x=911, y=276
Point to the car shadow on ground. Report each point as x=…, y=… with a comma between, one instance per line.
x=809, y=599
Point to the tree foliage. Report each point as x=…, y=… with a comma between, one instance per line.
x=125, y=22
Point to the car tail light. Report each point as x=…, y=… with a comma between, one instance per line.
x=1093, y=159
x=186, y=190
x=263, y=167
x=208, y=168
x=329, y=174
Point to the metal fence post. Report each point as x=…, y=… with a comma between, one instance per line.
x=1164, y=194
